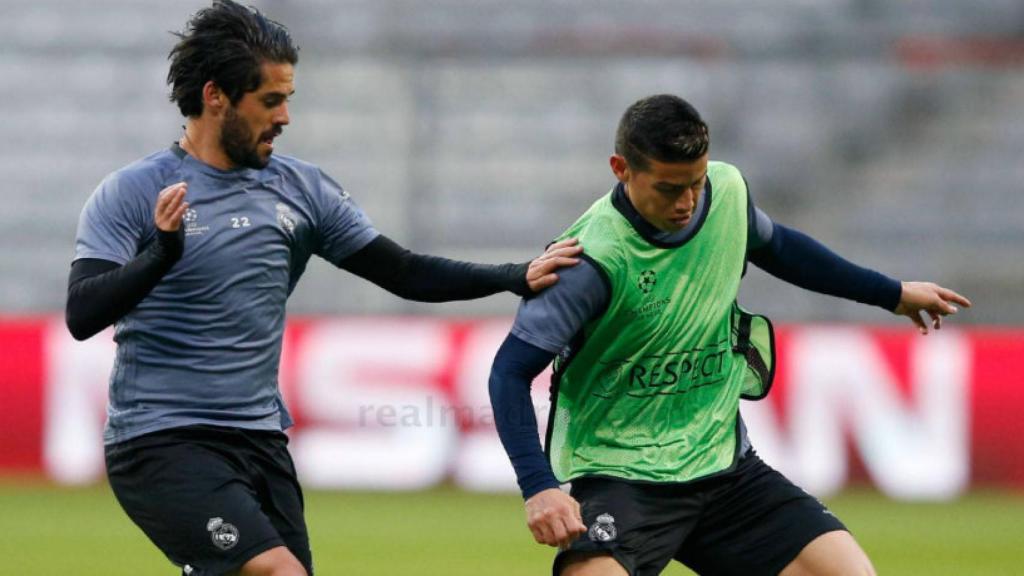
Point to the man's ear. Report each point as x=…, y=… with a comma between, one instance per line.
x=619, y=167
x=214, y=99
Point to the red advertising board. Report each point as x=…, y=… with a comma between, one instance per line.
x=22, y=385
x=401, y=403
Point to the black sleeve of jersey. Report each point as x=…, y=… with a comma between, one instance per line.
x=801, y=260
x=101, y=292
x=432, y=278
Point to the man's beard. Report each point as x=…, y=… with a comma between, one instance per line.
x=238, y=143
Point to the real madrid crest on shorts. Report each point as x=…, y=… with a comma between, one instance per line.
x=603, y=530
x=224, y=535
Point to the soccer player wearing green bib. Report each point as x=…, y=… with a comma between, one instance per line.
x=652, y=355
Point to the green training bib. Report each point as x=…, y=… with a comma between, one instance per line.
x=651, y=388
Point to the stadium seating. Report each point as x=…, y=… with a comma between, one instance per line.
x=479, y=129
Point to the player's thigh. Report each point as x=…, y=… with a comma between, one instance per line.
x=635, y=527
x=277, y=561
x=592, y=565
x=756, y=522
x=831, y=554
x=192, y=500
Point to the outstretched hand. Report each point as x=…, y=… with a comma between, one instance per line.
x=554, y=518
x=541, y=272
x=928, y=297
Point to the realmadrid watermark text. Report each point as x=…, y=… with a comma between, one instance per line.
x=434, y=411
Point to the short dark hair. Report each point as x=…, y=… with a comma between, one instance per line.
x=226, y=43
x=664, y=128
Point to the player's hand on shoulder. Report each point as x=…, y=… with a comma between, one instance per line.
x=541, y=272
x=554, y=518
x=170, y=207
x=930, y=298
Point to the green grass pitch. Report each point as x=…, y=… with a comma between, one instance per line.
x=55, y=531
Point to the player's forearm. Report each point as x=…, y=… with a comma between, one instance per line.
x=799, y=259
x=515, y=366
x=100, y=292
x=432, y=278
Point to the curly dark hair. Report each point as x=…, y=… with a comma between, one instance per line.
x=226, y=43
x=664, y=128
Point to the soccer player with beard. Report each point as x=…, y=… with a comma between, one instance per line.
x=192, y=252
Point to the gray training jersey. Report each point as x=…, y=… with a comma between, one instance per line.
x=203, y=347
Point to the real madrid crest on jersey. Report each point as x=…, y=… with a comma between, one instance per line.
x=285, y=218
x=224, y=535
x=603, y=530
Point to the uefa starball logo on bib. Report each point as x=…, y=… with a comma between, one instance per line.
x=646, y=281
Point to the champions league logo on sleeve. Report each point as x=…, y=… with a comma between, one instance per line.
x=224, y=535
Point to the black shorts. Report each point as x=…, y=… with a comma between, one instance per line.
x=748, y=522
x=211, y=498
